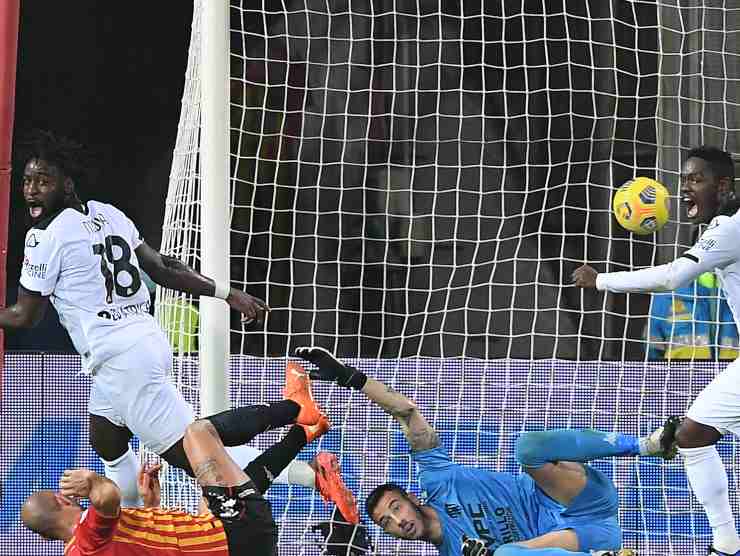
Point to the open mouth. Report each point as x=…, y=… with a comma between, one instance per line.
x=409, y=528
x=35, y=210
x=692, y=209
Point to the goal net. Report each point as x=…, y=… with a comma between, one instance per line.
x=412, y=184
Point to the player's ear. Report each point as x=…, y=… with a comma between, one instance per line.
x=725, y=188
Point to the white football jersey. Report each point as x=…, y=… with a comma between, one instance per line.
x=87, y=265
x=718, y=249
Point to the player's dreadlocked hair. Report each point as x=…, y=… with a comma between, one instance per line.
x=68, y=155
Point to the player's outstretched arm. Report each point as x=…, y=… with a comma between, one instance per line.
x=418, y=432
x=103, y=493
x=174, y=274
x=717, y=248
x=666, y=277
x=26, y=312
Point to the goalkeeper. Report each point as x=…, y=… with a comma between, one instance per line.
x=559, y=507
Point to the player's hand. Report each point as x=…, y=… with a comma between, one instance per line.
x=585, y=277
x=473, y=547
x=329, y=367
x=252, y=308
x=76, y=483
x=148, y=485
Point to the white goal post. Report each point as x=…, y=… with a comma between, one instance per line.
x=215, y=206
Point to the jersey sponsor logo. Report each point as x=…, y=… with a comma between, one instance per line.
x=118, y=313
x=95, y=224
x=453, y=510
x=478, y=517
x=706, y=244
x=506, y=526
x=32, y=241
x=34, y=270
x=502, y=519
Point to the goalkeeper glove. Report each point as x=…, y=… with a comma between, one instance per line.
x=331, y=368
x=473, y=547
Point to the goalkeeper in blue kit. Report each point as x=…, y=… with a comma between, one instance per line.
x=559, y=506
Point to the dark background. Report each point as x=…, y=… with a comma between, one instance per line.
x=422, y=177
x=518, y=129
x=103, y=74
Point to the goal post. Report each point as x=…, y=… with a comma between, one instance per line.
x=215, y=204
x=197, y=214
x=410, y=185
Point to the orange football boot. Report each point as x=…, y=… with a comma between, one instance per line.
x=298, y=389
x=330, y=485
x=320, y=428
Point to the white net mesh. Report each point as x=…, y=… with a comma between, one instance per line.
x=413, y=184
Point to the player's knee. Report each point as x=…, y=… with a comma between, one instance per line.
x=691, y=434
x=197, y=432
x=177, y=457
x=199, y=428
x=683, y=436
x=528, y=449
x=109, y=441
x=108, y=449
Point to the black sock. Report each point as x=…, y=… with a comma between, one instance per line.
x=239, y=426
x=272, y=461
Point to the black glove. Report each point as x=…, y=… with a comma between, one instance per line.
x=331, y=368
x=473, y=547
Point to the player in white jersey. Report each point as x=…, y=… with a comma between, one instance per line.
x=708, y=192
x=86, y=258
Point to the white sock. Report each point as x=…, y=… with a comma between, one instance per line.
x=123, y=471
x=296, y=473
x=708, y=479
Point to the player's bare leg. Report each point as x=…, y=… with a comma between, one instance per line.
x=708, y=478
x=208, y=458
x=111, y=443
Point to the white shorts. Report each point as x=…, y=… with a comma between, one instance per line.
x=718, y=405
x=132, y=390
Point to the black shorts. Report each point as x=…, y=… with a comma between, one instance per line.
x=247, y=518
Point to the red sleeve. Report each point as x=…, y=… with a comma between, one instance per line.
x=94, y=531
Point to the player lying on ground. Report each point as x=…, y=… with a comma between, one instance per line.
x=708, y=192
x=558, y=507
x=241, y=520
x=86, y=258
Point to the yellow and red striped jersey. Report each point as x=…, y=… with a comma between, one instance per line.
x=147, y=532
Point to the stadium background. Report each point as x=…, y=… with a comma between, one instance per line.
x=601, y=95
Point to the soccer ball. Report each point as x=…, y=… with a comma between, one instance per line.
x=641, y=205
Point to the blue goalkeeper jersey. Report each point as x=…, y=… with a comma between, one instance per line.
x=497, y=507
